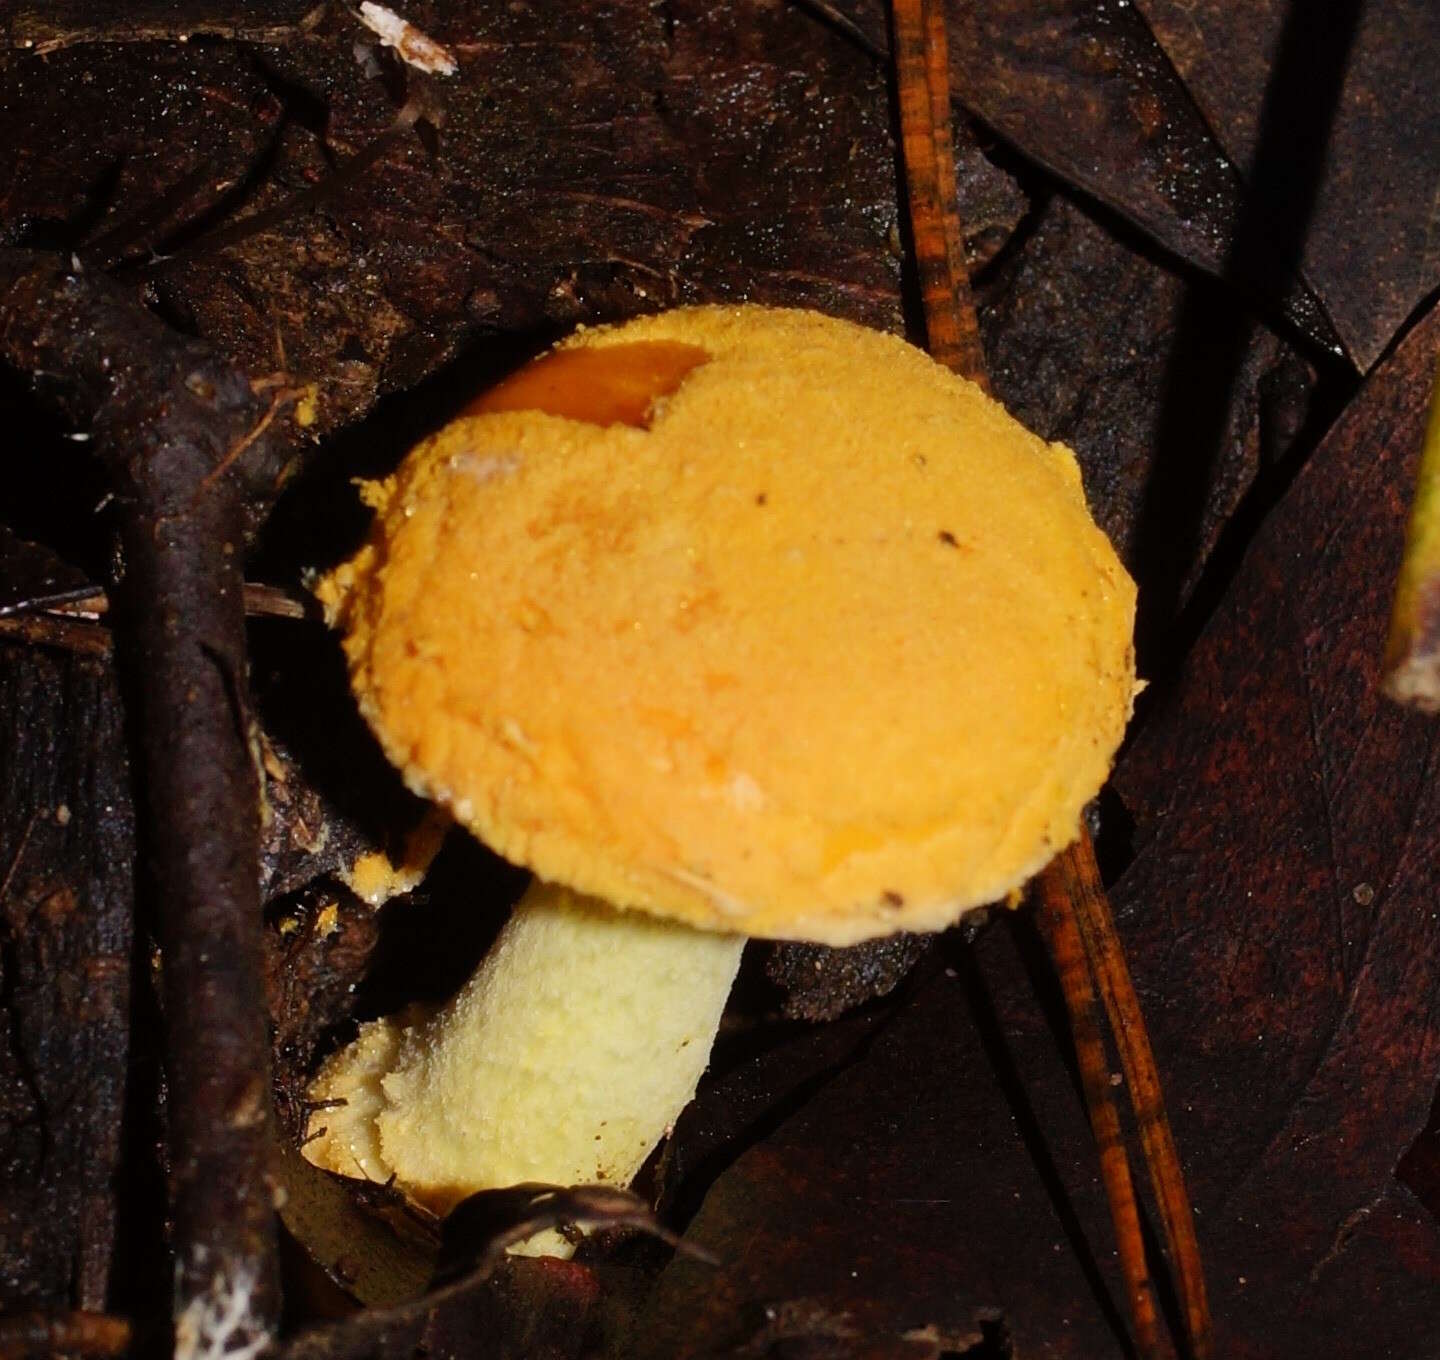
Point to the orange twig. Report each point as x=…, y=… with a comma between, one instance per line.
x=1067, y=950
x=1077, y=876
x=1075, y=913
x=923, y=78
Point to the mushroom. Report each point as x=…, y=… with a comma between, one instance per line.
x=726, y=622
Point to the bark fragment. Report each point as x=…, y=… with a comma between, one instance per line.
x=66, y=930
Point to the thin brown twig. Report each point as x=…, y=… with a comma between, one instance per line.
x=1075, y=913
x=1080, y=875
x=923, y=96
x=1067, y=951
x=970, y=355
x=24, y=1335
x=160, y=404
x=265, y=601
x=277, y=603
x=66, y=634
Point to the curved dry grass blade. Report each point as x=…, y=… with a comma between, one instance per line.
x=1412, y=651
x=88, y=603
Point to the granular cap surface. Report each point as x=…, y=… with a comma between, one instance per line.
x=828, y=649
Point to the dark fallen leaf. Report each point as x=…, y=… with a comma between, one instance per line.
x=382, y=1261
x=1082, y=333
x=1370, y=249
x=528, y=1309
x=1280, y=914
x=113, y=155
x=991, y=204
x=746, y=1098
x=901, y=1195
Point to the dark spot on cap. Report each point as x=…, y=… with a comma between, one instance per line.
x=949, y=539
x=762, y=498
x=892, y=899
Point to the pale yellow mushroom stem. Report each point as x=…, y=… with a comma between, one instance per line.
x=566, y=1058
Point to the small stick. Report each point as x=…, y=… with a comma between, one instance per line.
x=1077, y=875
x=1412, y=651
x=923, y=77
x=48, y=630
x=1075, y=913
x=41, y=1335
x=1058, y=920
x=88, y=604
